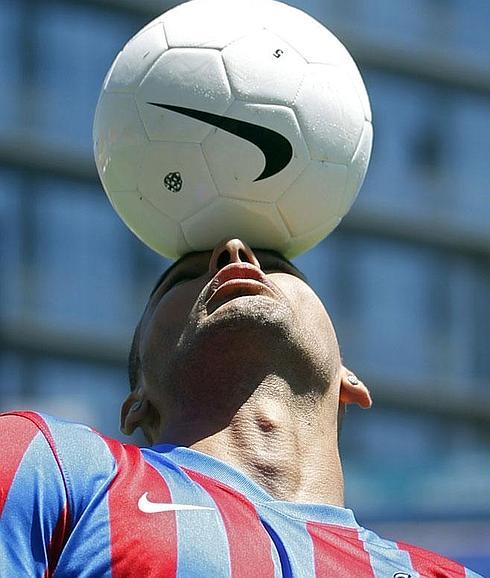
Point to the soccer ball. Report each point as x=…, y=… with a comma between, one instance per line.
x=243, y=118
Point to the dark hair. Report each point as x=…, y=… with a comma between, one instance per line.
x=134, y=360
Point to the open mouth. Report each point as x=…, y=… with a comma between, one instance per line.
x=236, y=288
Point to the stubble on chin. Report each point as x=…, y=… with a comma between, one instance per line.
x=246, y=316
x=252, y=330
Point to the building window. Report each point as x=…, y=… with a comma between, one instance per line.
x=468, y=169
x=407, y=463
x=11, y=232
x=10, y=57
x=75, y=47
x=80, y=256
x=72, y=390
x=409, y=156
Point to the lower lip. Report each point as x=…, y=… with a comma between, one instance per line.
x=237, y=288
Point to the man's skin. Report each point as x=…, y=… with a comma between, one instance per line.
x=249, y=373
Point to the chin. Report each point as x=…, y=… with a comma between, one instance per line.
x=253, y=311
x=256, y=320
x=249, y=333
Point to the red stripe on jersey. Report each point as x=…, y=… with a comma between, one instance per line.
x=57, y=543
x=142, y=544
x=38, y=421
x=338, y=551
x=249, y=543
x=17, y=435
x=432, y=565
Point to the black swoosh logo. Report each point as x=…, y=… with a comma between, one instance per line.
x=276, y=148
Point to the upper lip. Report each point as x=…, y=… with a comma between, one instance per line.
x=238, y=271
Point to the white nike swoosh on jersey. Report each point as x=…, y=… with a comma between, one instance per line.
x=148, y=507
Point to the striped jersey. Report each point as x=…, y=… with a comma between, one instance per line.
x=74, y=503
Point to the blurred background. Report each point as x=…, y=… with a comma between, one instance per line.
x=406, y=277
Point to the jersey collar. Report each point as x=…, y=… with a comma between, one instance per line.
x=223, y=472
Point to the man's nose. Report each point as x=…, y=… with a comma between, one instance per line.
x=231, y=251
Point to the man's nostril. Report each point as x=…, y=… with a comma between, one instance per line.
x=223, y=259
x=243, y=256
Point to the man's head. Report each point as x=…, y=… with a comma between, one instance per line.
x=218, y=324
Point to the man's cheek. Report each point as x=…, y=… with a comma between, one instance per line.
x=170, y=311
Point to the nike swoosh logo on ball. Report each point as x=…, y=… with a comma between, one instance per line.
x=275, y=147
x=148, y=507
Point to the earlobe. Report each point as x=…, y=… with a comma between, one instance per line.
x=137, y=411
x=352, y=390
x=129, y=413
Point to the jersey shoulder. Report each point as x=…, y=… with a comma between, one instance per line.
x=85, y=459
x=63, y=437
x=425, y=562
x=428, y=561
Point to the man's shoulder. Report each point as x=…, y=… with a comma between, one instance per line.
x=420, y=560
x=53, y=429
x=427, y=561
x=77, y=448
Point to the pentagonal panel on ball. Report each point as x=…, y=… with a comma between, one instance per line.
x=158, y=231
x=258, y=224
x=201, y=23
x=330, y=113
x=181, y=82
x=263, y=68
x=119, y=140
x=314, y=198
x=257, y=153
x=302, y=243
x=312, y=40
x=175, y=178
x=136, y=58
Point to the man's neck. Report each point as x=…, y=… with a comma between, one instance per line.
x=281, y=441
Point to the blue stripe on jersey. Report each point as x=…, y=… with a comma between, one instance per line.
x=385, y=556
x=322, y=513
x=201, y=535
x=88, y=467
x=35, y=501
x=282, y=565
x=292, y=541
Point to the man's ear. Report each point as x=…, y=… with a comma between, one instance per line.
x=137, y=411
x=132, y=412
x=353, y=390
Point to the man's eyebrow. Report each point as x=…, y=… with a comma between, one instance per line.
x=270, y=252
x=164, y=276
x=278, y=255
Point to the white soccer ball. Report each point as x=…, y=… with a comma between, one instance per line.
x=243, y=118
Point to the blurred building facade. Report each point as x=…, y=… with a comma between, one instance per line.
x=406, y=277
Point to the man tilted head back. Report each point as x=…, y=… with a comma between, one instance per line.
x=236, y=356
x=237, y=382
